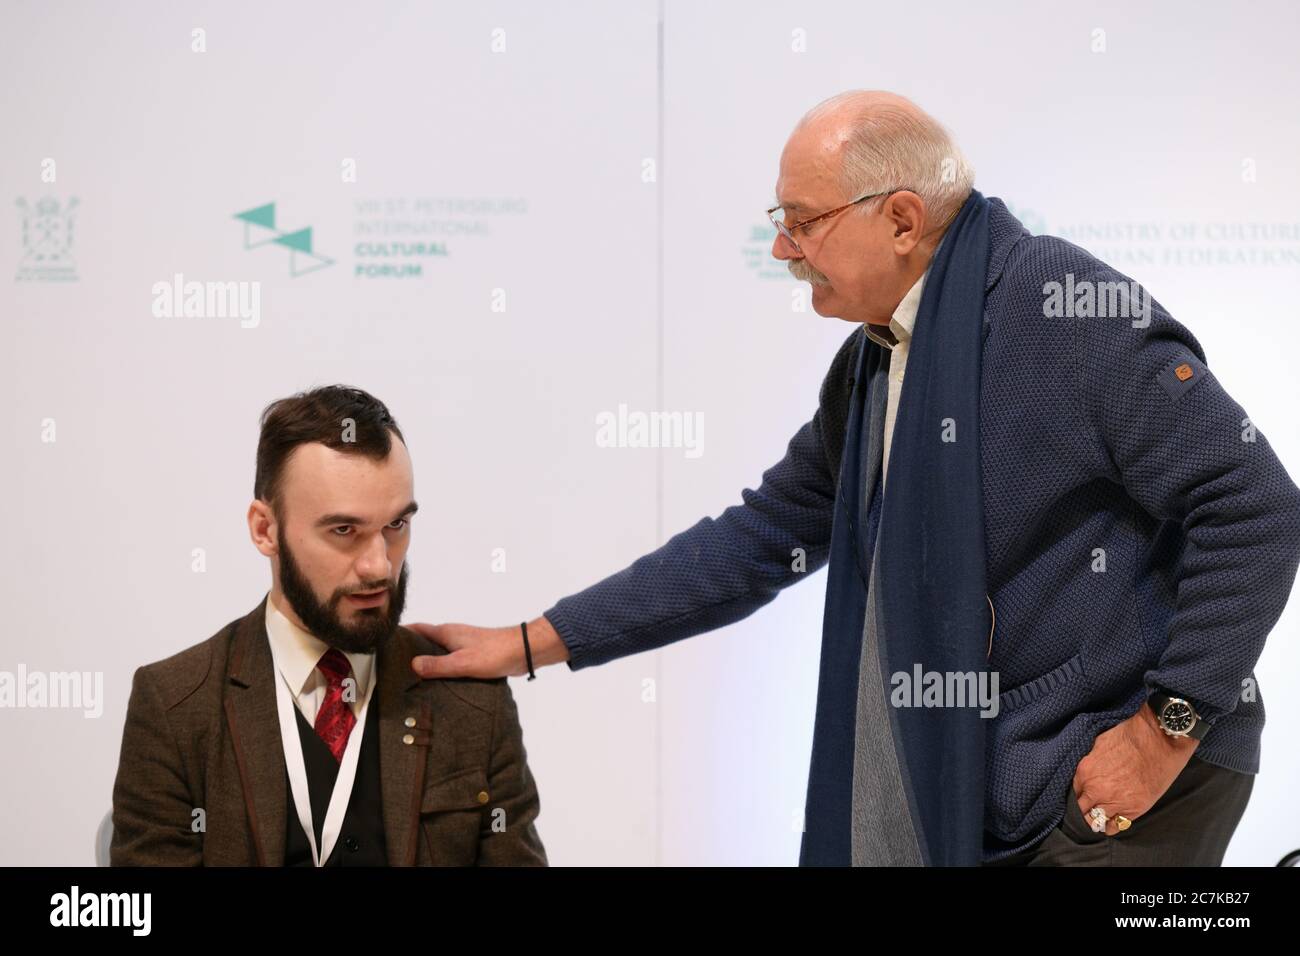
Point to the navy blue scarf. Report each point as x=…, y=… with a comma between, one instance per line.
x=931, y=608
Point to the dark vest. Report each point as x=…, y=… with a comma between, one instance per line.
x=361, y=838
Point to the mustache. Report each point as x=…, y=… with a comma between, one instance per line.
x=806, y=273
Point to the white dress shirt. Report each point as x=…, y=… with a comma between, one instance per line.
x=900, y=325
x=296, y=654
x=299, y=683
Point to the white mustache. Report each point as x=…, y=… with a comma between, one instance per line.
x=801, y=270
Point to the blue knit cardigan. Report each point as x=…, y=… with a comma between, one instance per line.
x=1140, y=533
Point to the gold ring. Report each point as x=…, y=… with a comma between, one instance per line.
x=1123, y=822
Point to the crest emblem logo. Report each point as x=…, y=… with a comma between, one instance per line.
x=46, y=234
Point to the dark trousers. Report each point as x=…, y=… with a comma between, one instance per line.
x=1190, y=825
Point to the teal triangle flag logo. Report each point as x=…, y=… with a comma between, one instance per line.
x=298, y=242
x=260, y=216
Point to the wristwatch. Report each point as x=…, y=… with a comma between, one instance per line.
x=1176, y=716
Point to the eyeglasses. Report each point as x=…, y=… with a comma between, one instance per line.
x=788, y=231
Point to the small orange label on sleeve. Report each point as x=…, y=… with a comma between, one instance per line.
x=1182, y=374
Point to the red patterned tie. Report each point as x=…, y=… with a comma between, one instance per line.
x=334, y=720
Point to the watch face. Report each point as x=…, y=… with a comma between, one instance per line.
x=1177, y=717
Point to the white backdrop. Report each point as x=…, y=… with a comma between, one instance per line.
x=588, y=182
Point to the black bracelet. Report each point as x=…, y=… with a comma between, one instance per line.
x=528, y=651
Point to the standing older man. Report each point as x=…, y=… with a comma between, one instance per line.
x=1061, y=455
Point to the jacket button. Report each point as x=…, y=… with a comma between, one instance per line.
x=482, y=796
x=408, y=739
x=352, y=844
x=410, y=721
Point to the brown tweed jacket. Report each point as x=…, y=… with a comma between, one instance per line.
x=202, y=734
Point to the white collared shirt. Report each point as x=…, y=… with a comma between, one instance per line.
x=900, y=325
x=297, y=653
x=299, y=682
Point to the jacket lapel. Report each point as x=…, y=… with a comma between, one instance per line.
x=254, y=724
x=405, y=726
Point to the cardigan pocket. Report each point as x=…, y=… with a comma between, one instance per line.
x=1038, y=725
x=1030, y=691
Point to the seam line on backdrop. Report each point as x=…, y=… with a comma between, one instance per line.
x=659, y=403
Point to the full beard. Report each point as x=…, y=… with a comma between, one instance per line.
x=372, y=626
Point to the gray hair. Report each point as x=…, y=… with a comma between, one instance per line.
x=890, y=147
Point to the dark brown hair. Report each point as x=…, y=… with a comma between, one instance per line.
x=319, y=416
